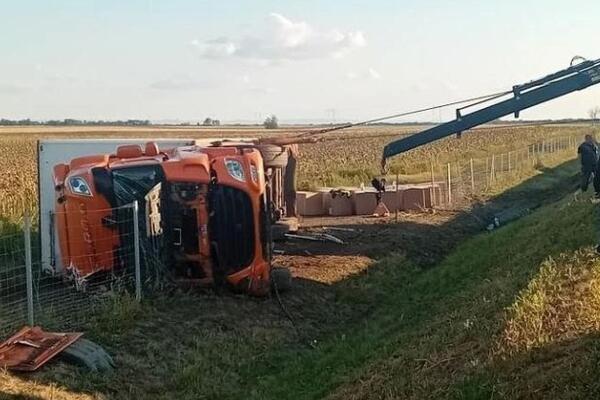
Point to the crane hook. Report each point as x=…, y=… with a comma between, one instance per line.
x=384, y=166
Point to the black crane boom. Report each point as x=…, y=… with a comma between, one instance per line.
x=574, y=78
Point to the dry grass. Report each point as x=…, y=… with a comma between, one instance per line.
x=347, y=158
x=14, y=387
x=352, y=159
x=561, y=302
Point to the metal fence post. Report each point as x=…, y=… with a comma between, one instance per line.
x=493, y=170
x=136, y=252
x=398, y=196
x=433, y=194
x=449, y=185
x=28, y=268
x=543, y=147
x=472, y=176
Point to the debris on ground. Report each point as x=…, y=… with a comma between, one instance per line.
x=303, y=237
x=509, y=215
x=332, y=238
x=31, y=347
x=381, y=210
x=316, y=237
x=88, y=354
x=338, y=228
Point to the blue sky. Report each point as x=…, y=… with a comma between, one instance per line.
x=302, y=60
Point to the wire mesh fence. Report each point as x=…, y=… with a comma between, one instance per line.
x=114, y=252
x=94, y=263
x=456, y=184
x=13, y=282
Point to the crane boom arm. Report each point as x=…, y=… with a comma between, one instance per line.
x=524, y=96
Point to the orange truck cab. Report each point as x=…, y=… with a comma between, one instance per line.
x=203, y=214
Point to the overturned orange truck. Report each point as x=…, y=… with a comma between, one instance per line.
x=205, y=211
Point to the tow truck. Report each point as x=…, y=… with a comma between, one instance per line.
x=211, y=205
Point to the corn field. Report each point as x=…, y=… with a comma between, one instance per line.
x=344, y=159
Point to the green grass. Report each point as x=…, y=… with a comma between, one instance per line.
x=436, y=333
x=507, y=314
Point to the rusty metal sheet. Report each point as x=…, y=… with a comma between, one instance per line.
x=31, y=347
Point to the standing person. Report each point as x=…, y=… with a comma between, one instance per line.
x=379, y=185
x=289, y=190
x=381, y=209
x=588, y=155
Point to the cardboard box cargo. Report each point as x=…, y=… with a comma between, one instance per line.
x=326, y=199
x=420, y=196
x=391, y=199
x=365, y=202
x=341, y=206
x=310, y=203
x=416, y=199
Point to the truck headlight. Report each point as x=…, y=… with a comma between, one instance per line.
x=235, y=169
x=79, y=186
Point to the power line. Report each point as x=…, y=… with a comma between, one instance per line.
x=404, y=114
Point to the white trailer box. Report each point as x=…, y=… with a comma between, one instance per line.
x=52, y=152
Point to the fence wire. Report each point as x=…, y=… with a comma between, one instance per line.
x=117, y=255
x=457, y=184
x=69, y=294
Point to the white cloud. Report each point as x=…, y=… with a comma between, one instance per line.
x=179, y=83
x=370, y=73
x=283, y=39
x=215, y=48
x=374, y=74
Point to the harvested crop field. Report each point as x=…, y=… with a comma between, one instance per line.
x=348, y=158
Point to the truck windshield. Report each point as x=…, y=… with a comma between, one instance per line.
x=133, y=183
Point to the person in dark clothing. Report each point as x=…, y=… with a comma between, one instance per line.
x=588, y=155
x=379, y=185
x=289, y=190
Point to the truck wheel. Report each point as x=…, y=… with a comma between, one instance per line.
x=281, y=278
x=278, y=231
x=273, y=156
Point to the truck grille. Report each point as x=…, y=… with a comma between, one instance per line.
x=231, y=228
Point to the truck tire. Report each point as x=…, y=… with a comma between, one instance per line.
x=273, y=156
x=281, y=279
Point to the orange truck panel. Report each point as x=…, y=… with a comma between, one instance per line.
x=88, y=245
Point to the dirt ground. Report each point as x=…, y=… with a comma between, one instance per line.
x=423, y=237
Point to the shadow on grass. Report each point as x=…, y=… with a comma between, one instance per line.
x=566, y=369
x=226, y=346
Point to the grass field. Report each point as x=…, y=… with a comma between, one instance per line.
x=500, y=316
x=439, y=311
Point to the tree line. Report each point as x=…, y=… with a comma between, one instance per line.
x=75, y=122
